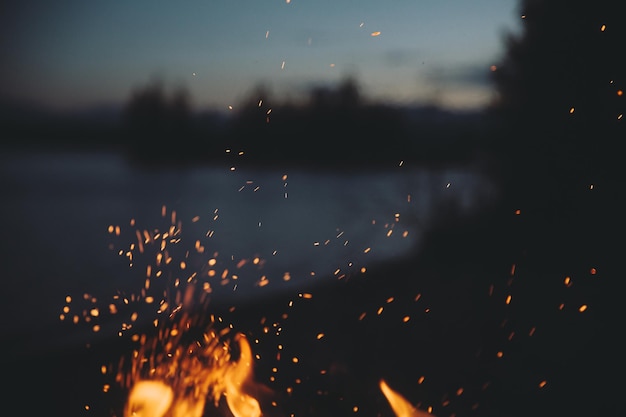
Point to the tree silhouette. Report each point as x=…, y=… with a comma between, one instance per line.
x=346, y=96
x=560, y=98
x=158, y=124
x=332, y=126
x=561, y=103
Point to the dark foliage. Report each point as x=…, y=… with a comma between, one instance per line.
x=560, y=98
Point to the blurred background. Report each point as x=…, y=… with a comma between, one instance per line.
x=425, y=192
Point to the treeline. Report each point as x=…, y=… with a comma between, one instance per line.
x=332, y=126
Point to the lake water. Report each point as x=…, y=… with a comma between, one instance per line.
x=304, y=226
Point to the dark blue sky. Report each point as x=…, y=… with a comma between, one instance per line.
x=73, y=53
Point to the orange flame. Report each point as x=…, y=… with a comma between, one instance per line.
x=238, y=376
x=185, y=394
x=400, y=405
x=149, y=398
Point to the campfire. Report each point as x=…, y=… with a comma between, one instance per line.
x=187, y=361
x=180, y=382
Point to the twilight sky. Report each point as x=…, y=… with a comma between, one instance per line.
x=72, y=53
